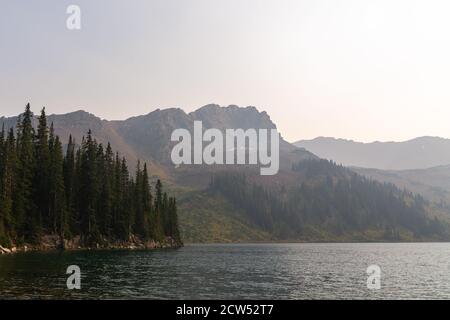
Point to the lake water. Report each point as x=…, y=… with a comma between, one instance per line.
x=235, y=271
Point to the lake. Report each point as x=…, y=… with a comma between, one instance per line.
x=235, y=271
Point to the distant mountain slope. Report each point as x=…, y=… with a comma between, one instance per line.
x=432, y=183
x=419, y=153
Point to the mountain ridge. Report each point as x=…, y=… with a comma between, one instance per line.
x=417, y=153
x=132, y=135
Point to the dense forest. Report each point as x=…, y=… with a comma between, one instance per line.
x=331, y=202
x=85, y=191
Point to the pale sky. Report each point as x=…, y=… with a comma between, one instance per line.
x=356, y=69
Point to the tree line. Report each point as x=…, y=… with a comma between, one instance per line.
x=330, y=201
x=86, y=191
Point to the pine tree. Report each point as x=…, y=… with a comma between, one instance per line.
x=77, y=194
x=140, y=227
x=156, y=220
x=57, y=204
x=165, y=219
x=88, y=191
x=42, y=172
x=3, y=158
x=126, y=219
x=173, y=231
x=28, y=227
x=99, y=178
x=9, y=186
x=69, y=188
x=158, y=195
x=117, y=198
x=146, y=202
x=106, y=193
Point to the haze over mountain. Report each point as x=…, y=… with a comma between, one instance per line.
x=308, y=200
x=418, y=153
x=432, y=183
x=147, y=137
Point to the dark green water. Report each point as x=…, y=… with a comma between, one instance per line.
x=244, y=271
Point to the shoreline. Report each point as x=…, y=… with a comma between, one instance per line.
x=52, y=243
x=171, y=244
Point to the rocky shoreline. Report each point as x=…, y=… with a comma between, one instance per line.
x=53, y=242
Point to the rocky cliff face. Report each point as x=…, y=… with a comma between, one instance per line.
x=147, y=137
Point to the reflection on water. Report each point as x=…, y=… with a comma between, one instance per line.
x=240, y=271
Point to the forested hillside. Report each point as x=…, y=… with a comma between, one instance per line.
x=88, y=194
x=331, y=202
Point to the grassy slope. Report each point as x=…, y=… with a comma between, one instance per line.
x=206, y=217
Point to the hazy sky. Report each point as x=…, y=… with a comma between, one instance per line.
x=364, y=70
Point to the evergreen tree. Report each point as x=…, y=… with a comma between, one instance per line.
x=88, y=192
x=165, y=219
x=9, y=175
x=57, y=203
x=3, y=158
x=157, y=224
x=69, y=188
x=140, y=225
x=25, y=211
x=173, y=231
x=42, y=172
x=146, y=203
x=106, y=193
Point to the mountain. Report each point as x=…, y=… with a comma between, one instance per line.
x=418, y=153
x=308, y=200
